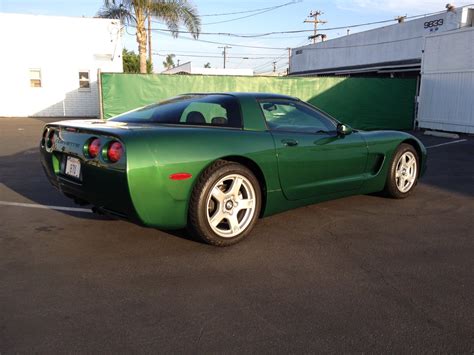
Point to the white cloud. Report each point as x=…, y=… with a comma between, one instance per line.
x=400, y=7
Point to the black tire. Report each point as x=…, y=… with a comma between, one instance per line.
x=198, y=222
x=391, y=188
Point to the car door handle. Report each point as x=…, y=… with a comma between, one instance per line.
x=289, y=142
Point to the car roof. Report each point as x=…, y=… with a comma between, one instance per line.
x=256, y=95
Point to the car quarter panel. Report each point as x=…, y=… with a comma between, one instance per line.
x=153, y=155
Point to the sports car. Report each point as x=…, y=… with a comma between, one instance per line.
x=215, y=163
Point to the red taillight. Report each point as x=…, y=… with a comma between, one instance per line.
x=115, y=151
x=94, y=148
x=50, y=142
x=43, y=139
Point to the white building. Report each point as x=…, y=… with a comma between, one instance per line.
x=446, y=100
x=49, y=64
x=381, y=51
x=189, y=68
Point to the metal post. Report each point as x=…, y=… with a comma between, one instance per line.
x=225, y=53
x=99, y=87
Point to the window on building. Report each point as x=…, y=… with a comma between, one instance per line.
x=84, y=82
x=35, y=78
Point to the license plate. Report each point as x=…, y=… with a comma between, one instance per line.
x=73, y=167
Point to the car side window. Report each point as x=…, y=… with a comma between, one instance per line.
x=204, y=113
x=292, y=116
x=194, y=110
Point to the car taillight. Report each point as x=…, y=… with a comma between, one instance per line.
x=43, y=139
x=50, y=141
x=94, y=148
x=115, y=151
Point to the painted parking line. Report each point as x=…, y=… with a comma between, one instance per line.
x=441, y=144
x=47, y=207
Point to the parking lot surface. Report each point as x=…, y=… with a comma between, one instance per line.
x=359, y=274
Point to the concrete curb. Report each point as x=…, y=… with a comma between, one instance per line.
x=441, y=134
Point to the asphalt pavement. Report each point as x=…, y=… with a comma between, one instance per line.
x=359, y=274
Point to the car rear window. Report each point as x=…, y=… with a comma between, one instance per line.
x=200, y=110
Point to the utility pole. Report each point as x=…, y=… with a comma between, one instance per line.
x=225, y=48
x=274, y=67
x=314, y=15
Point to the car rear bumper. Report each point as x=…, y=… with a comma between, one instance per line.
x=104, y=188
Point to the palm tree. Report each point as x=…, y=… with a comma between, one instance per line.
x=169, y=62
x=135, y=13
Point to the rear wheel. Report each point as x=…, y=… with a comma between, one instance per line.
x=225, y=204
x=403, y=174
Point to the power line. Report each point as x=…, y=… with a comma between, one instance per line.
x=260, y=11
x=223, y=43
x=213, y=56
x=247, y=16
x=183, y=52
x=247, y=11
x=279, y=58
x=260, y=66
x=255, y=35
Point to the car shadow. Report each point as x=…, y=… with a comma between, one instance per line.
x=23, y=174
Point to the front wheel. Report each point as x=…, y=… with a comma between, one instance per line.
x=225, y=204
x=403, y=173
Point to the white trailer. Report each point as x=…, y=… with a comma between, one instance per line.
x=446, y=99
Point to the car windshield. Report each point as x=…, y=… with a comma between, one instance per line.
x=202, y=110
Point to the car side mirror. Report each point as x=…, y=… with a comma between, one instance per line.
x=343, y=130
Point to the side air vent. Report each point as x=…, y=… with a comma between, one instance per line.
x=377, y=164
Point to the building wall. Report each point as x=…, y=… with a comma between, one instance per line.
x=401, y=42
x=447, y=82
x=60, y=47
x=188, y=68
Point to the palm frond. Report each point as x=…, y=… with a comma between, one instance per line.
x=117, y=10
x=177, y=12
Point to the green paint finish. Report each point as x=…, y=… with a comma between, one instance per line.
x=321, y=167
x=363, y=103
x=324, y=163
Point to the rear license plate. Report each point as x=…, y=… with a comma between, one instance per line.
x=73, y=167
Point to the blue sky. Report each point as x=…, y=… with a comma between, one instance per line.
x=337, y=13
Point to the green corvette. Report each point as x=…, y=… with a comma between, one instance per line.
x=215, y=163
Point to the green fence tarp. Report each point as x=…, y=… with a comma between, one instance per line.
x=364, y=103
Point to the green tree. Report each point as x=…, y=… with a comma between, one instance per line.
x=207, y=65
x=131, y=62
x=169, y=62
x=135, y=13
